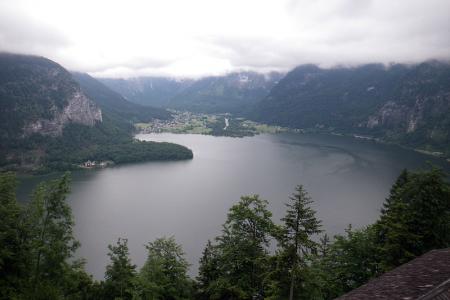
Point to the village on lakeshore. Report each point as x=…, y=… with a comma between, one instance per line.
x=91, y=164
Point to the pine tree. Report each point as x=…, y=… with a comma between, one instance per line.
x=300, y=225
x=208, y=271
x=351, y=260
x=324, y=246
x=415, y=217
x=120, y=275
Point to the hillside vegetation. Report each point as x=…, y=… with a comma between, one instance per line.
x=406, y=104
x=48, y=122
x=230, y=93
x=38, y=248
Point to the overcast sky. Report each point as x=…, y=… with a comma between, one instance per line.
x=203, y=37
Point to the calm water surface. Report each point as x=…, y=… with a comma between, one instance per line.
x=348, y=180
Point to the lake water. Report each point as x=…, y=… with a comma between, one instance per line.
x=347, y=178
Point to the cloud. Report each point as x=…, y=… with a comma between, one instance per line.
x=203, y=37
x=23, y=34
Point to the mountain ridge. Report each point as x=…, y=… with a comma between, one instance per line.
x=38, y=95
x=48, y=121
x=210, y=94
x=405, y=104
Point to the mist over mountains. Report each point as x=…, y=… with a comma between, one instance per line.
x=213, y=94
x=51, y=119
x=404, y=104
x=407, y=104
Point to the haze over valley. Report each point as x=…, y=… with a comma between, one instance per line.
x=224, y=149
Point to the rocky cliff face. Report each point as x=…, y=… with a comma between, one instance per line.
x=408, y=104
x=79, y=109
x=421, y=105
x=39, y=96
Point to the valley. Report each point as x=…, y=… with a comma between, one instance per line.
x=53, y=120
x=224, y=150
x=210, y=124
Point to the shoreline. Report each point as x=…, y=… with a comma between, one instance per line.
x=436, y=154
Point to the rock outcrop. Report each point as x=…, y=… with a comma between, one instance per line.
x=79, y=109
x=406, y=104
x=39, y=96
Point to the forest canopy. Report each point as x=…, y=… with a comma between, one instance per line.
x=37, y=247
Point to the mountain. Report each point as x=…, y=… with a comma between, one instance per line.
x=115, y=104
x=233, y=92
x=152, y=91
x=406, y=104
x=38, y=95
x=48, y=122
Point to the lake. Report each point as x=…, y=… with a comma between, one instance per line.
x=347, y=178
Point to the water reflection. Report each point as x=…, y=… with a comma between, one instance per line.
x=348, y=180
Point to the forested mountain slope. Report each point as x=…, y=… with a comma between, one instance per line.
x=38, y=95
x=152, y=91
x=233, y=92
x=408, y=104
x=48, y=122
x=114, y=103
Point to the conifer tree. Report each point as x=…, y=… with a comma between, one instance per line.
x=415, y=217
x=208, y=271
x=120, y=275
x=299, y=226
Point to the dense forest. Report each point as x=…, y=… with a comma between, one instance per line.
x=51, y=120
x=37, y=247
x=405, y=104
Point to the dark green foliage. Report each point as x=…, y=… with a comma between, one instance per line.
x=410, y=103
x=208, y=272
x=11, y=264
x=34, y=88
x=37, y=245
x=164, y=274
x=51, y=236
x=350, y=261
x=30, y=88
x=120, y=275
x=414, y=220
x=415, y=217
x=300, y=225
x=237, y=265
x=107, y=142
